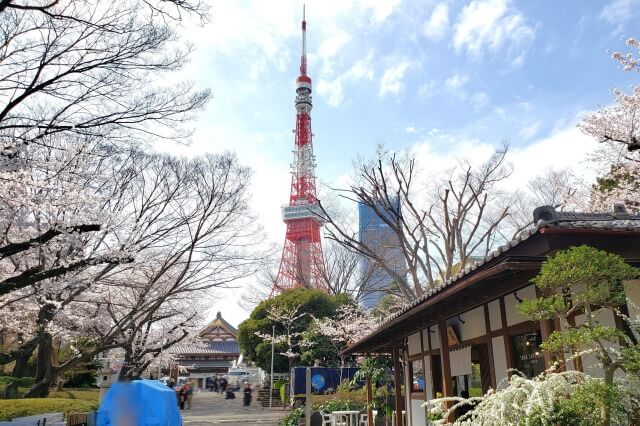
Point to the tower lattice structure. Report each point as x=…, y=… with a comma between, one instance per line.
x=302, y=262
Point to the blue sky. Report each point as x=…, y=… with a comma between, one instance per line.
x=446, y=79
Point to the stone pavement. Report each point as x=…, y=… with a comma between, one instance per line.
x=210, y=408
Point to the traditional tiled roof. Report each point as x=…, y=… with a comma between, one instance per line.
x=543, y=217
x=221, y=323
x=209, y=348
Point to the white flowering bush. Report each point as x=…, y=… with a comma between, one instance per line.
x=564, y=398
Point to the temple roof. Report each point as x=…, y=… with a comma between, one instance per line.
x=210, y=348
x=219, y=326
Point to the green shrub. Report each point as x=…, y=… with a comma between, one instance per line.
x=293, y=418
x=23, y=382
x=13, y=408
x=586, y=404
x=341, y=400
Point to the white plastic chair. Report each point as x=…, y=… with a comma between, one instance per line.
x=341, y=420
x=364, y=417
x=326, y=418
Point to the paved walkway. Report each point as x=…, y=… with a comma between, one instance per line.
x=210, y=408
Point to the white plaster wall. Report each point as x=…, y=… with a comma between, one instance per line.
x=414, y=344
x=511, y=303
x=495, y=318
x=474, y=324
x=428, y=377
x=499, y=358
x=435, y=337
x=632, y=290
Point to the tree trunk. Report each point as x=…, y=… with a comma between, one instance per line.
x=608, y=381
x=22, y=362
x=45, y=374
x=123, y=375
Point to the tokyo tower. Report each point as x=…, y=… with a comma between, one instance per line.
x=302, y=262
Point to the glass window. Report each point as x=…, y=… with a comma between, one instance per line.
x=529, y=359
x=417, y=373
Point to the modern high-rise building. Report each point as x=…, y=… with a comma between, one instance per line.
x=375, y=234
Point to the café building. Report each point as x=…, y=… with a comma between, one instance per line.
x=465, y=335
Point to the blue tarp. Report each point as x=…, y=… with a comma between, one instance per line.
x=140, y=403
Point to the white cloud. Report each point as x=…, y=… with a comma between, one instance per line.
x=456, y=81
x=492, y=25
x=332, y=88
x=479, y=100
x=438, y=24
x=427, y=89
x=529, y=131
x=619, y=10
x=410, y=129
x=567, y=149
x=392, y=79
x=381, y=9
x=330, y=46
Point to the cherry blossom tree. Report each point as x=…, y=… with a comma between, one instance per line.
x=186, y=228
x=286, y=318
x=617, y=124
x=348, y=326
x=620, y=185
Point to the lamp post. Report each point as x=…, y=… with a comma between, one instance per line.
x=273, y=338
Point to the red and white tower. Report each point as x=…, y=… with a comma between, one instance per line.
x=302, y=263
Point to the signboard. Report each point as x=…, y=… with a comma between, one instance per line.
x=452, y=337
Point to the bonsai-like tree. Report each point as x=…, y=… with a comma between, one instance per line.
x=581, y=281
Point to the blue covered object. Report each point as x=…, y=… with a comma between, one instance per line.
x=139, y=403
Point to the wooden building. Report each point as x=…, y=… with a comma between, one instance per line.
x=465, y=334
x=212, y=355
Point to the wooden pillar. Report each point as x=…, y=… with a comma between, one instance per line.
x=397, y=382
x=507, y=342
x=487, y=325
x=445, y=364
x=369, y=401
x=547, y=326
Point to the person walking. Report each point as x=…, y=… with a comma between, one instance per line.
x=246, y=400
x=188, y=391
x=182, y=396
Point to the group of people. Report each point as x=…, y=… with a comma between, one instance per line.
x=217, y=384
x=184, y=393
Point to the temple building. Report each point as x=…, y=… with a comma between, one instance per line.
x=213, y=355
x=465, y=335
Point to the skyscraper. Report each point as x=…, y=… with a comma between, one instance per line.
x=375, y=234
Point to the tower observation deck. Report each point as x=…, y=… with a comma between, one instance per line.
x=302, y=262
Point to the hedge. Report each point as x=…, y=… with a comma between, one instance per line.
x=81, y=394
x=12, y=408
x=23, y=382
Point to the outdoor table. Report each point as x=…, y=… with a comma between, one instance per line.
x=350, y=415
